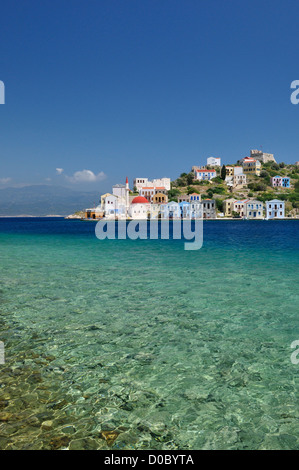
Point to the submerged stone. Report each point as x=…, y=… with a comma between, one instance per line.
x=58, y=442
x=47, y=425
x=109, y=436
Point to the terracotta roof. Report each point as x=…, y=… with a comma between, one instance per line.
x=140, y=200
x=209, y=171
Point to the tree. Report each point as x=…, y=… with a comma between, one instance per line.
x=190, y=178
x=223, y=172
x=219, y=205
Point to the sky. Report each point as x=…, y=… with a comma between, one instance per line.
x=98, y=90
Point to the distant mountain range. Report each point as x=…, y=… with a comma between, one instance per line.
x=42, y=200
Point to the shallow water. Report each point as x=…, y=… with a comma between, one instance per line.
x=164, y=348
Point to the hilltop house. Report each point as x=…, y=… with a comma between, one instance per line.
x=212, y=161
x=239, y=181
x=280, y=182
x=251, y=166
x=140, y=183
x=275, y=209
x=204, y=174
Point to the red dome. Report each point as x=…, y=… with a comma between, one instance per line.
x=140, y=200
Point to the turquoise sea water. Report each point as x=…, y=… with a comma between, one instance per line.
x=163, y=348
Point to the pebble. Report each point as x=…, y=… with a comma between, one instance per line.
x=47, y=425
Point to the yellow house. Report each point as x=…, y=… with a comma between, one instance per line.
x=251, y=166
x=160, y=198
x=228, y=207
x=229, y=170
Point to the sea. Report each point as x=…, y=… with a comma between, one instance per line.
x=140, y=344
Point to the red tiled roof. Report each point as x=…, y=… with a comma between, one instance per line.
x=209, y=171
x=140, y=200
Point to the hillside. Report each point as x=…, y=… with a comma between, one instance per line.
x=258, y=187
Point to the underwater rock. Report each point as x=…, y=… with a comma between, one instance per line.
x=69, y=429
x=47, y=425
x=58, y=405
x=109, y=436
x=5, y=416
x=58, y=442
x=3, y=404
x=83, y=444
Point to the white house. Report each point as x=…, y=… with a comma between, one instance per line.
x=150, y=191
x=275, y=209
x=140, y=183
x=212, y=161
x=204, y=174
x=114, y=207
x=139, y=208
x=254, y=210
x=240, y=207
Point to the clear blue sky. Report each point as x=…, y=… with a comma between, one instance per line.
x=143, y=88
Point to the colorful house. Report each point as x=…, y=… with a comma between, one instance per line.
x=240, y=207
x=228, y=207
x=280, y=182
x=252, y=166
x=212, y=161
x=194, y=197
x=204, y=174
x=275, y=209
x=254, y=210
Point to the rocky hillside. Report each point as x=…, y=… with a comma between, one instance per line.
x=258, y=187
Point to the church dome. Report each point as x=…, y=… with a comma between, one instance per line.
x=140, y=200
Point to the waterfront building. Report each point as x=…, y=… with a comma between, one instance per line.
x=114, y=207
x=228, y=207
x=94, y=213
x=240, y=207
x=254, y=210
x=275, y=209
x=139, y=208
x=209, y=208
x=172, y=210
x=182, y=210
